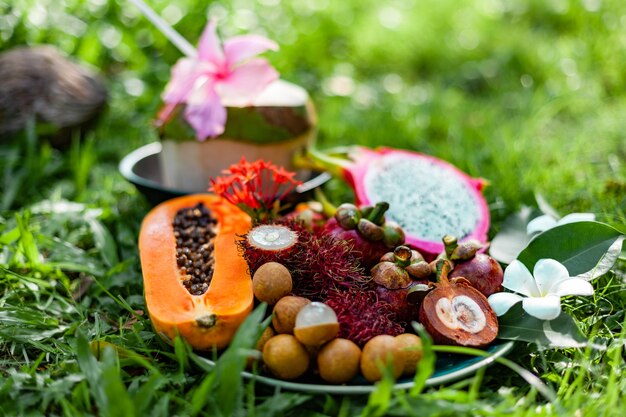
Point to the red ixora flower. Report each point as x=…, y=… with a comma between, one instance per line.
x=255, y=187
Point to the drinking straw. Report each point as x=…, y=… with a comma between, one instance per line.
x=170, y=33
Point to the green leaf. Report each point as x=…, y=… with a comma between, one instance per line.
x=90, y=368
x=82, y=158
x=124, y=356
x=531, y=378
x=518, y=325
x=281, y=402
x=117, y=400
x=579, y=246
x=10, y=236
x=181, y=350
x=201, y=399
x=607, y=261
x=68, y=257
x=105, y=380
x=26, y=279
x=65, y=210
x=224, y=381
x=380, y=399
x=145, y=396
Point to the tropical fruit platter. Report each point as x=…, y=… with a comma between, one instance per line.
x=353, y=289
x=345, y=285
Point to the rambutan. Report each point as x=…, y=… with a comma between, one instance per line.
x=362, y=316
x=317, y=263
x=326, y=269
x=257, y=252
x=332, y=266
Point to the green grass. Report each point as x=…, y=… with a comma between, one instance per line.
x=528, y=94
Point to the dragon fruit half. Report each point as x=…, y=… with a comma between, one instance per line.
x=428, y=197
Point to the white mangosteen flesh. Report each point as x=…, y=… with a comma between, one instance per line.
x=461, y=313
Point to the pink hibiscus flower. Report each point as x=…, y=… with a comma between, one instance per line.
x=217, y=75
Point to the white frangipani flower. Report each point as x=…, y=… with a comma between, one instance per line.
x=541, y=292
x=546, y=221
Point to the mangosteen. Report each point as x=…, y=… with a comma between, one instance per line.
x=400, y=275
x=366, y=230
x=482, y=271
x=455, y=313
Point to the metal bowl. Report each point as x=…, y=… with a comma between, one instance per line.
x=142, y=168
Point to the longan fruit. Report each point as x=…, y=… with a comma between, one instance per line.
x=270, y=282
x=338, y=361
x=381, y=350
x=285, y=357
x=411, y=349
x=285, y=312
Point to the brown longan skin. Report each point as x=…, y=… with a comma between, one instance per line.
x=267, y=334
x=338, y=361
x=285, y=357
x=316, y=335
x=411, y=349
x=285, y=312
x=270, y=282
x=379, y=350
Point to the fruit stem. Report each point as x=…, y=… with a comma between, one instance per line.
x=328, y=208
x=402, y=256
x=443, y=269
x=450, y=243
x=377, y=216
x=315, y=159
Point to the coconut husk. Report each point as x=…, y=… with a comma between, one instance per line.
x=282, y=112
x=42, y=84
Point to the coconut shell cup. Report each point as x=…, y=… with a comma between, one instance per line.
x=277, y=125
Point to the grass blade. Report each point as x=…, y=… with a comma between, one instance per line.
x=427, y=364
x=533, y=380
x=104, y=242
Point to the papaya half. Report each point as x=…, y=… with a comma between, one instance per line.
x=205, y=317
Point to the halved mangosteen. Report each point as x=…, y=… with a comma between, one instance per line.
x=455, y=313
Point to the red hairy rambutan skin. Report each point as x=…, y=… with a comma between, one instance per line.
x=327, y=269
x=362, y=316
x=332, y=265
x=317, y=263
x=255, y=257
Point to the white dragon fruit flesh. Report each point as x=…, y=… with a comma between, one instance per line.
x=427, y=197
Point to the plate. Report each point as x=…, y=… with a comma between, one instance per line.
x=142, y=168
x=448, y=368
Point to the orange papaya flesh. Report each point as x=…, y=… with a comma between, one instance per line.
x=211, y=319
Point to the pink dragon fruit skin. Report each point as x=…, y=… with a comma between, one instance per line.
x=393, y=175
